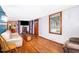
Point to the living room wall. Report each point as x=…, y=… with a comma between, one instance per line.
x=70, y=26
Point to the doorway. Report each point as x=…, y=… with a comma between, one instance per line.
x=36, y=27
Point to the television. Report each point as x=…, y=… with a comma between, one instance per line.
x=24, y=22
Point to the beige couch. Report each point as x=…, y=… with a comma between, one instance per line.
x=72, y=45
x=12, y=37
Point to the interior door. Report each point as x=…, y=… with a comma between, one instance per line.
x=36, y=27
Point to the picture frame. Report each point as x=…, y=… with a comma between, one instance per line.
x=55, y=23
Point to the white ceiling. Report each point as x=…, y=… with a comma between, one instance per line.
x=31, y=12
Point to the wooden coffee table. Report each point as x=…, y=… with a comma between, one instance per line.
x=27, y=37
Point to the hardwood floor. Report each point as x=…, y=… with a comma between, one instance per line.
x=40, y=45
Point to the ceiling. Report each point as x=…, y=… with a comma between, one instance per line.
x=31, y=12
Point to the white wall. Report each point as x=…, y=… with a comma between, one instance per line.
x=70, y=26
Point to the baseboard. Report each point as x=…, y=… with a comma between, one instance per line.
x=52, y=41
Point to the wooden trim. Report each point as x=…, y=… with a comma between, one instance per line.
x=60, y=23
x=51, y=40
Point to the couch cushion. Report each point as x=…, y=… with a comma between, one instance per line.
x=72, y=45
x=6, y=35
x=14, y=35
x=74, y=40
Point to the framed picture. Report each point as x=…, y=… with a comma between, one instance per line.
x=55, y=23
